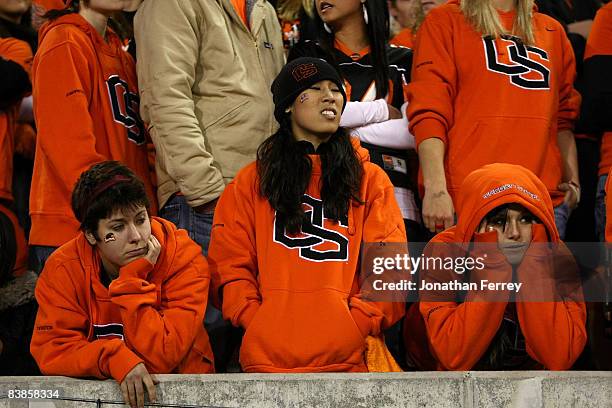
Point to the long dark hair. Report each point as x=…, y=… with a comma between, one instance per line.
x=378, y=35
x=503, y=345
x=284, y=170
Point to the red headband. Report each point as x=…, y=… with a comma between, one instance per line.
x=117, y=179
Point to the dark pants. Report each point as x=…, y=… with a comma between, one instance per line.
x=38, y=255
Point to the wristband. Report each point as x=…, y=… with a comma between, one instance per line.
x=576, y=188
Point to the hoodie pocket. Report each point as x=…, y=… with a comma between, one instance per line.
x=302, y=331
x=199, y=359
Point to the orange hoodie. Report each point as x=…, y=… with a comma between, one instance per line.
x=298, y=297
x=150, y=313
x=46, y=5
x=86, y=106
x=404, y=38
x=459, y=334
x=19, y=52
x=492, y=101
x=599, y=43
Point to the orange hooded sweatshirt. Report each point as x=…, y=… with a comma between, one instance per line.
x=599, y=44
x=19, y=52
x=86, y=106
x=150, y=313
x=43, y=6
x=492, y=100
x=298, y=297
x=404, y=38
x=459, y=334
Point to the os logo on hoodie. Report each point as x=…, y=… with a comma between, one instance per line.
x=126, y=106
x=525, y=67
x=315, y=243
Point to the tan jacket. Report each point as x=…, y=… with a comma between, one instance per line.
x=204, y=81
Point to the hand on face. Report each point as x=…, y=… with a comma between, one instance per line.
x=153, y=250
x=514, y=231
x=124, y=237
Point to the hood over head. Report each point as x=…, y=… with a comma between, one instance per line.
x=498, y=184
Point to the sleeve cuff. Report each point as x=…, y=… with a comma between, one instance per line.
x=382, y=113
x=139, y=269
x=486, y=246
x=247, y=315
x=121, y=363
x=362, y=320
x=427, y=129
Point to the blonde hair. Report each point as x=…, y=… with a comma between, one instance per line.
x=417, y=20
x=484, y=18
x=290, y=9
x=419, y=16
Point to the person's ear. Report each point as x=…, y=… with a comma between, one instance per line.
x=90, y=238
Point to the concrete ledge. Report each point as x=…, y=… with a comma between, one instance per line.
x=421, y=389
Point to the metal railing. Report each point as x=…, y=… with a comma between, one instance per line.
x=100, y=403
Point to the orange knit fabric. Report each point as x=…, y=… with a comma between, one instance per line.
x=86, y=106
x=600, y=43
x=156, y=311
x=302, y=310
x=405, y=38
x=492, y=100
x=458, y=334
x=19, y=52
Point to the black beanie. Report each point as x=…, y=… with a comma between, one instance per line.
x=299, y=75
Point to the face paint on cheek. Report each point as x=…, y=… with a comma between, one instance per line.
x=109, y=237
x=304, y=98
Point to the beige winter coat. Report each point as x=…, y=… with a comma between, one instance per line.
x=204, y=80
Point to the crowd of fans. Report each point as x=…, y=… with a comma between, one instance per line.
x=186, y=186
